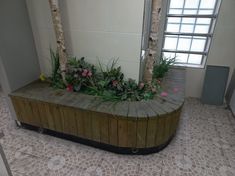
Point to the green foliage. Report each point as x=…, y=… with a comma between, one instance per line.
x=107, y=83
x=79, y=73
x=134, y=92
x=56, y=78
x=162, y=68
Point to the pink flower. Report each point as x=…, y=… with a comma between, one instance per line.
x=115, y=83
x=85, y=71
x=89, y=73
x=84, y=74
x=164, y=94
x=175, y=89
x=69, y=88
x=141, y=85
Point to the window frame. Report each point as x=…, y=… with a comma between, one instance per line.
x=209, y=35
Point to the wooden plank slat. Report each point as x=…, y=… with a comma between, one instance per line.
x=141, y=133
x=42, y=114
x=17, y=108
x=132, y=133
x=122, y=133
x=23, y=111
x=155, y=107
x=160, y=131
x=113, y=130
x=87, y=123
x=124, y=124
x=69, y=124
x=49, y=116
x=35, y=112
x=151, y=132
x=132, y=112
x=104, y=129
x=79, y=117
x=95, y=123
x=167, y=128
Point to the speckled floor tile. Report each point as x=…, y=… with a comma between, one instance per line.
x=204, y=145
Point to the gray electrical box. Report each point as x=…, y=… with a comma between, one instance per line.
x=215, y=82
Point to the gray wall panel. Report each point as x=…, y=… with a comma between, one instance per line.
x=214, y=85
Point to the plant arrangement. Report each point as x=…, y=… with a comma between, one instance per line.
x=108, y=83
x=159, y=70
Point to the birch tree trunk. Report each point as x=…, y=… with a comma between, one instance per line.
x=153, y=41
x=56, y=18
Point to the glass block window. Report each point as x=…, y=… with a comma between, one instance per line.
x=189, y=30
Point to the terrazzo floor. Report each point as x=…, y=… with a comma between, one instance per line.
x=204, y=146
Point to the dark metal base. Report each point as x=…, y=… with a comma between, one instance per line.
x=107, y=147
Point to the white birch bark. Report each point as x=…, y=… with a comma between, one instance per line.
x=57, y=23
x=153, y=42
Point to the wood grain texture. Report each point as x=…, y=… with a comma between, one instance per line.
x=113, y=130
x=134, y=125
x=123, y=133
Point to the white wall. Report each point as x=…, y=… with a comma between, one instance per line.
x=18, y=58
x=94, y=29
x=222, y=50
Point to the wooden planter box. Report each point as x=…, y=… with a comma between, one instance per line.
x=124, y=127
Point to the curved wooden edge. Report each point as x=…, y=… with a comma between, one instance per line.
x=104, y=146
x=114, y=130
x=173, y=84
x=124, y=125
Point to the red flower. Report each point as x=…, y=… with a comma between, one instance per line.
x=69, y=88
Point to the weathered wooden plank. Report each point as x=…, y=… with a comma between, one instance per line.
x=151, y=132
x=113, y=130
x=168, y=99
x=132, y=112
x=93, y=105
x=17, y=108
x=174, y=121
x=149, y=111
x=35, y=112
x=121, y=109
x=87, y=125
x=82, y=101
x=159, y=138
x=141, y=133
x=69, y=124
x=28, y=113
x=24, y=115
x=122, y=133
x=141, y=111
x=49, y=116
x=42, y=114
x=105, y=107
x=167, y=128
x=155, y=107
x=162, y=106
x=79, y=117
x=104, y=129
x=95, y=123
x=132, y=133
